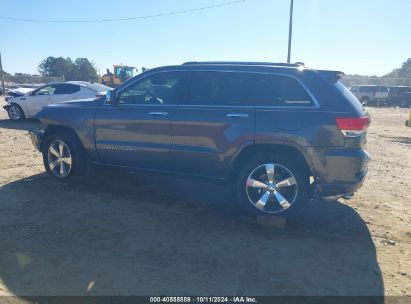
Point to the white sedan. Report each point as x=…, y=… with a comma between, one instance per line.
x=31, y=103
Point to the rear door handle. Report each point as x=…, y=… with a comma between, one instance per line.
x=158, y=113
x=238, y=115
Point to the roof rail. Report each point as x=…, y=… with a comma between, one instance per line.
x=297, y=64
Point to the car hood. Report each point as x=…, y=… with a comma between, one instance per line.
x=22, y=91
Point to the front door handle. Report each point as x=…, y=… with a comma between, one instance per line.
x=158, y=113
x=238, y=115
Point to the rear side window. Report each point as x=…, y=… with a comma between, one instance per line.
x=237, y=89
x=66, y=89
x=219, y=88
x=278, y=90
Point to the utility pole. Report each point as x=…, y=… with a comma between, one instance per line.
x=290, y=30
x=2, y=77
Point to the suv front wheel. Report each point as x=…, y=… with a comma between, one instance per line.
x=63, y=157
x=271, y=185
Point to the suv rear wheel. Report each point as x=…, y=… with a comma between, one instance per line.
x=271, y=185
x=63, y=157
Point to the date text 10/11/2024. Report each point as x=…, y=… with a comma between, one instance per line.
x=236, y=299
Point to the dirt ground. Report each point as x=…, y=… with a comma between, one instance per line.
x=155, y=235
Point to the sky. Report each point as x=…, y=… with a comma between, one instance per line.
x=367, y=37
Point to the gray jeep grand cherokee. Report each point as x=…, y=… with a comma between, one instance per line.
x=281, y=133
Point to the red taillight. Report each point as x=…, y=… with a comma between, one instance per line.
x=353, y=127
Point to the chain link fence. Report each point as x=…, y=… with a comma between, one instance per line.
x=351, y=81
x=29, y=80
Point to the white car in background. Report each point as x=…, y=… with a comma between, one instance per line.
x=31, y=103
x=17, y=92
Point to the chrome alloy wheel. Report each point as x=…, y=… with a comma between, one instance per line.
x=59, y=158
x=15, y=112
x=272, y=188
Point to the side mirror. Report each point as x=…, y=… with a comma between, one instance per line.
x=111, y=97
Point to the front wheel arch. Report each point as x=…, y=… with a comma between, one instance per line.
x=56, y=129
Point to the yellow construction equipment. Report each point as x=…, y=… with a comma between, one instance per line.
x=121, y=74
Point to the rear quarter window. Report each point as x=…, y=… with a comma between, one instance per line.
x=350, y=97
x=279, y=90
x=67, y=89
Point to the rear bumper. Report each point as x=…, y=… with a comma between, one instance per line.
x=37, y=138
x=340, y=171
x=340, y=189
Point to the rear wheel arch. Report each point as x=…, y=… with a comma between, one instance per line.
x=248, y=152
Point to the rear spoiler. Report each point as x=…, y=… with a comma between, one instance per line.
x=332, y=76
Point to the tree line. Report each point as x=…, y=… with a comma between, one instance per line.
x=398, y=77
x=84, y=69
x=79, y=69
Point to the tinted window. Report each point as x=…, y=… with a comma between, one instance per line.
x=368, y=89
x=233, y=89
x=219, y=88
x=277, y=90
x=159, y=88
x=46, y=90
x=404, y=89
x=350, y=97
x=66, y=89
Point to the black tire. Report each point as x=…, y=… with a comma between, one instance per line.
x=78, y=168
x=12, y=115
x=302, y=183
